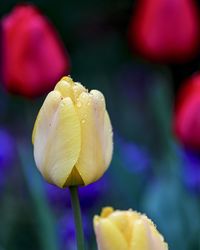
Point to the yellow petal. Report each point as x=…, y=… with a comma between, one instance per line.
x=157, y=238
x=106, y=211
x=68, y=88
x=108, y=139
x=67, y=79
x=65, y=89
x=108, y=236
x=57, y=139
x=78, y=89
x=96, y=136
x=35, y=127
x=130, y=230
x=46, y=114
x=146, y=236
x=124, y=221
x=141, y=239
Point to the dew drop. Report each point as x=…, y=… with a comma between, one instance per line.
x=83, y=121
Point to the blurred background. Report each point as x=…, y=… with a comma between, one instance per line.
x=144, y=56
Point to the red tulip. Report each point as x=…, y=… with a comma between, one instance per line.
x=187, y=114
x=165, y=30
x=34, y=56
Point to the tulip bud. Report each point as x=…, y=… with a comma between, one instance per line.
x=72, y=136
x=165, y=30
x=34, y=56
x=186, y=117
x=126, y=230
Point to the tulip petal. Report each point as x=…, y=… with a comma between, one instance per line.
x=108, y=143
x=106, y=211
x=65, y=89
x=57, y=139
x=141, y=239
x=108, y=235
x=126, y=230
x=157, y=238
x=78, y=89
x=68, y=88
x=124, y=221
x=46, y=113
x=146, y=237
x=96, y=136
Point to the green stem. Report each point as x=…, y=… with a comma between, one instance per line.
x=77, y=217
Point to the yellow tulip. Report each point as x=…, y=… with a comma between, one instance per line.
x=72, y=136
x=126, y=230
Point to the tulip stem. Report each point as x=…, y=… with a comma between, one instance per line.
x=77, y=217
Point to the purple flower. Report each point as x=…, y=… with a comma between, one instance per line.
x=6, y=153
x=191, y=169
x=89, y=195
x=67, y=232
x=135, y=158
x=57, y=197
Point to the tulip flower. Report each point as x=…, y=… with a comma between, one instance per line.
x=72, y=136
x=34, y=56
x=126, y=230
x=165, y=30
x=186, y=117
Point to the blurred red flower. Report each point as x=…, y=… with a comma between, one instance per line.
x=165, y=30
x=187, y=114
x=34, y=57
